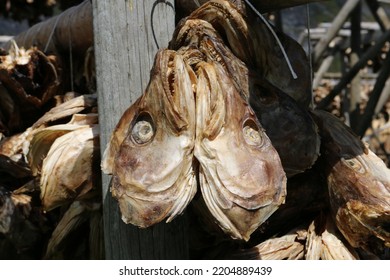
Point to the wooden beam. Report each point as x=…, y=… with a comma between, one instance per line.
x=71, y=30
x=326, y=63
x=372, y=103
x=127, y=36
x=369, y=54
x=337, y=24
x=379, y=14
x=384, y=98
x=354, y=91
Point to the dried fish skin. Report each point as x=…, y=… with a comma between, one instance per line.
x=291, y=129
x=68, y=108
x=68, y=169
x=290, y=246
x=151, y=151
x=359, y=185
x=229, y=23
x=287, y=247
x=334, y=246
x=17, y=146
x=241, y=176
x=41, y=142
x=190, y=32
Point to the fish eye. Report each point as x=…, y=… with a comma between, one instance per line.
x=252, y=133
x=265, y=96
x=143, y=129
x=353, y=164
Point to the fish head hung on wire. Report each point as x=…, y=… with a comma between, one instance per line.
x=150, y=153
x=240, y=173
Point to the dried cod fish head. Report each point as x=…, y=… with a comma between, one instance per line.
x=68, y=170
x=359, y=185
x=150, y=153
x=241, y=176
x=30, y=75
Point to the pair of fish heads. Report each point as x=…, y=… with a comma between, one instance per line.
x=192, y=128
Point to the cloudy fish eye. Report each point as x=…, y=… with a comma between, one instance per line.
x=143, y=130
x=251, y=133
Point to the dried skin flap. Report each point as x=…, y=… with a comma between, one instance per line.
x=241, y=177
x=286, y=247
x=332, y=247
x=66, y=171
x=359, y=184
x=77, y=213
x=153, y=168
x=41, y=142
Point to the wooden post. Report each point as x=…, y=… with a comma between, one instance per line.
x=327, y=62
x=127, y=35
x=337, y=23
x=354, y=100
x=369, y=54
x=379, y=13
x=376, y=93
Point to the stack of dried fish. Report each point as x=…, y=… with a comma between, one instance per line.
x=233, y=119
x=49, y=162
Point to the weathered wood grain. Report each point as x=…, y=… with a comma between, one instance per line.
x=127, y=36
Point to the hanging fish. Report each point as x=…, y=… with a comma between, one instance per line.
x=151, y=150
x=359, y=185
x=240, y=173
